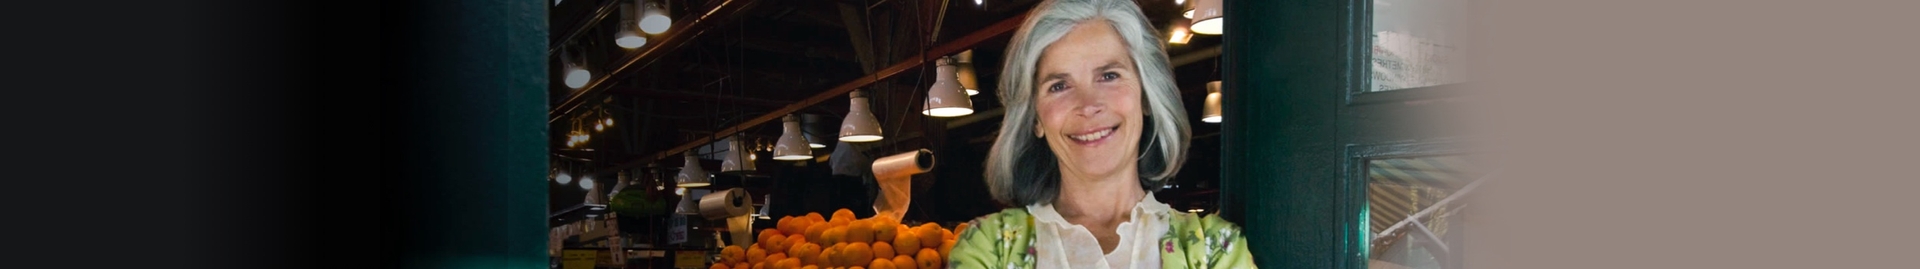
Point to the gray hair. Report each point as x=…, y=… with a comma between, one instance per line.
x=1021, y=170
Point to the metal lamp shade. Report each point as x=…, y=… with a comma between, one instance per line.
x=860, y=125
x=653, y=18
x=1211, y=111
x=793, y=144
x=946, y=98
x=739, y=159
x=1207, y=16
x=687, y=205
x=691, y=175
x=968, y=79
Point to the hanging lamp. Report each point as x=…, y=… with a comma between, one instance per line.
x=653, y=18
x=594, y=196
x=629, y=35
x=968, y=79
x=946, y=98
x=739, y=159
x=621, y=182
x=577, y=74
x=860, y=125
x=1210, y=112
x=763, y=207
x=1186, y=9
x=691, y=175
x=687, y=205
x=1207, y=17
x=792, y=145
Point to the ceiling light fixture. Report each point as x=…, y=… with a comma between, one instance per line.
x=860, y=125
x=792, y=146
x=1207, y=17
x=1210, y=112
x=946, y=98
x=968, y=79
x=628, y=36
x=738, y=159
x=653, y=18
x=691, y=175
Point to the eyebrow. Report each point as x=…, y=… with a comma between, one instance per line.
x=1058, y=75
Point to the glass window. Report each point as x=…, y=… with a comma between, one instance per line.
x=1416, y=43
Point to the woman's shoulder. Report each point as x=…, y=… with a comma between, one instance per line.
x=998, y=240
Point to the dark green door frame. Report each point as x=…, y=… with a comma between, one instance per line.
x=1290, y=70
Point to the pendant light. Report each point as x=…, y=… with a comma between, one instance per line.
x=738, y=160
x=1186, y=9
x=1207, y=17
x=629, y=35
x=622, y=181
x=653, y=18
x=564, y=176
x=968, y=79
x=586, y=182
x=1210, y=112
x=577, y=74
x=594, y=196
x=860, y=125
x=792, y=146
x=946, y=98
x=691, y=175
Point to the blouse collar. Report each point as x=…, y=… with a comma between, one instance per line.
x=1146, y=207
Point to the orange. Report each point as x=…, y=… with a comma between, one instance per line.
x=794, y=241
x=946, y=248
x=856, y=267
x=767, y=233
x=807, y=253
x=882, y=249
x=776, y=257
x=883, y=232
x=718, y=266
x=825, y=259
x=834, y=235
x=731, y=254
x=946, y=234
x=860, y=232
x=815, y=217
x=783, y=223
x=881, y=263
x=928, y=259
x=843, y=213
x=830, y=256
x=930, y=234
x=907, y=243
x=857, y=253
x=756, y=255
x=957, y=229
x=799, y=226
x=789, y=263
x=763, y=265
x=741, y=266
x=905, y=261
x=814, y=230
x=810, y=266
x=776, y=243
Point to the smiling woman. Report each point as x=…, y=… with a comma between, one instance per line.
x=1093, y=125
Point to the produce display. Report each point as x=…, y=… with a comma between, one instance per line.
x=843, y=242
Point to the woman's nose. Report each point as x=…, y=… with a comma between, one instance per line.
x=1091, y=102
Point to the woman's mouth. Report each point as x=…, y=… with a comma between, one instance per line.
x=1093, y=136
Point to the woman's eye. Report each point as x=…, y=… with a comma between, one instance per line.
x=1055, y=87
x=1109, y=76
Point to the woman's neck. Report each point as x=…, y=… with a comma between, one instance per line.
x=1099, y=203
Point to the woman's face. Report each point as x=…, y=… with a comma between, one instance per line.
x=1088, y=97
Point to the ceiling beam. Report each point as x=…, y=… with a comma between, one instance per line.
x=682, y=31
x=968, y=41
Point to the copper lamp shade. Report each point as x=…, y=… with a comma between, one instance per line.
x=1207, y=16
x=793, y=144
x=1211, y=111
x=691, y=175
x=946, y=98
x=860, y=125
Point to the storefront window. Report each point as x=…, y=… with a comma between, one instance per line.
x=1416, y=43
x=1413, y=212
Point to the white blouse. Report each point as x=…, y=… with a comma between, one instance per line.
x=1059, y=244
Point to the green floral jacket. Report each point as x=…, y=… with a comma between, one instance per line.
x=1005, y=240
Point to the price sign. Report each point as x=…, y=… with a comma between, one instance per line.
x=690, y=259
x=678, y=232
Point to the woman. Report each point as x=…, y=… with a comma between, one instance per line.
x=1093, y=126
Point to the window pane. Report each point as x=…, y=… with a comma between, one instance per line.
x=1416, y=43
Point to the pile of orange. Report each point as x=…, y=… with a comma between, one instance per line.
x=842, y=242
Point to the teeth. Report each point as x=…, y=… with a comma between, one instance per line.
x=1093, y=136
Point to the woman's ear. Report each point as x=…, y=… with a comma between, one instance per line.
x=1038, y=132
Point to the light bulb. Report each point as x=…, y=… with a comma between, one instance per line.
x=608, y=121
x=578, y=77
x=630, y=40
x=599, y=126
